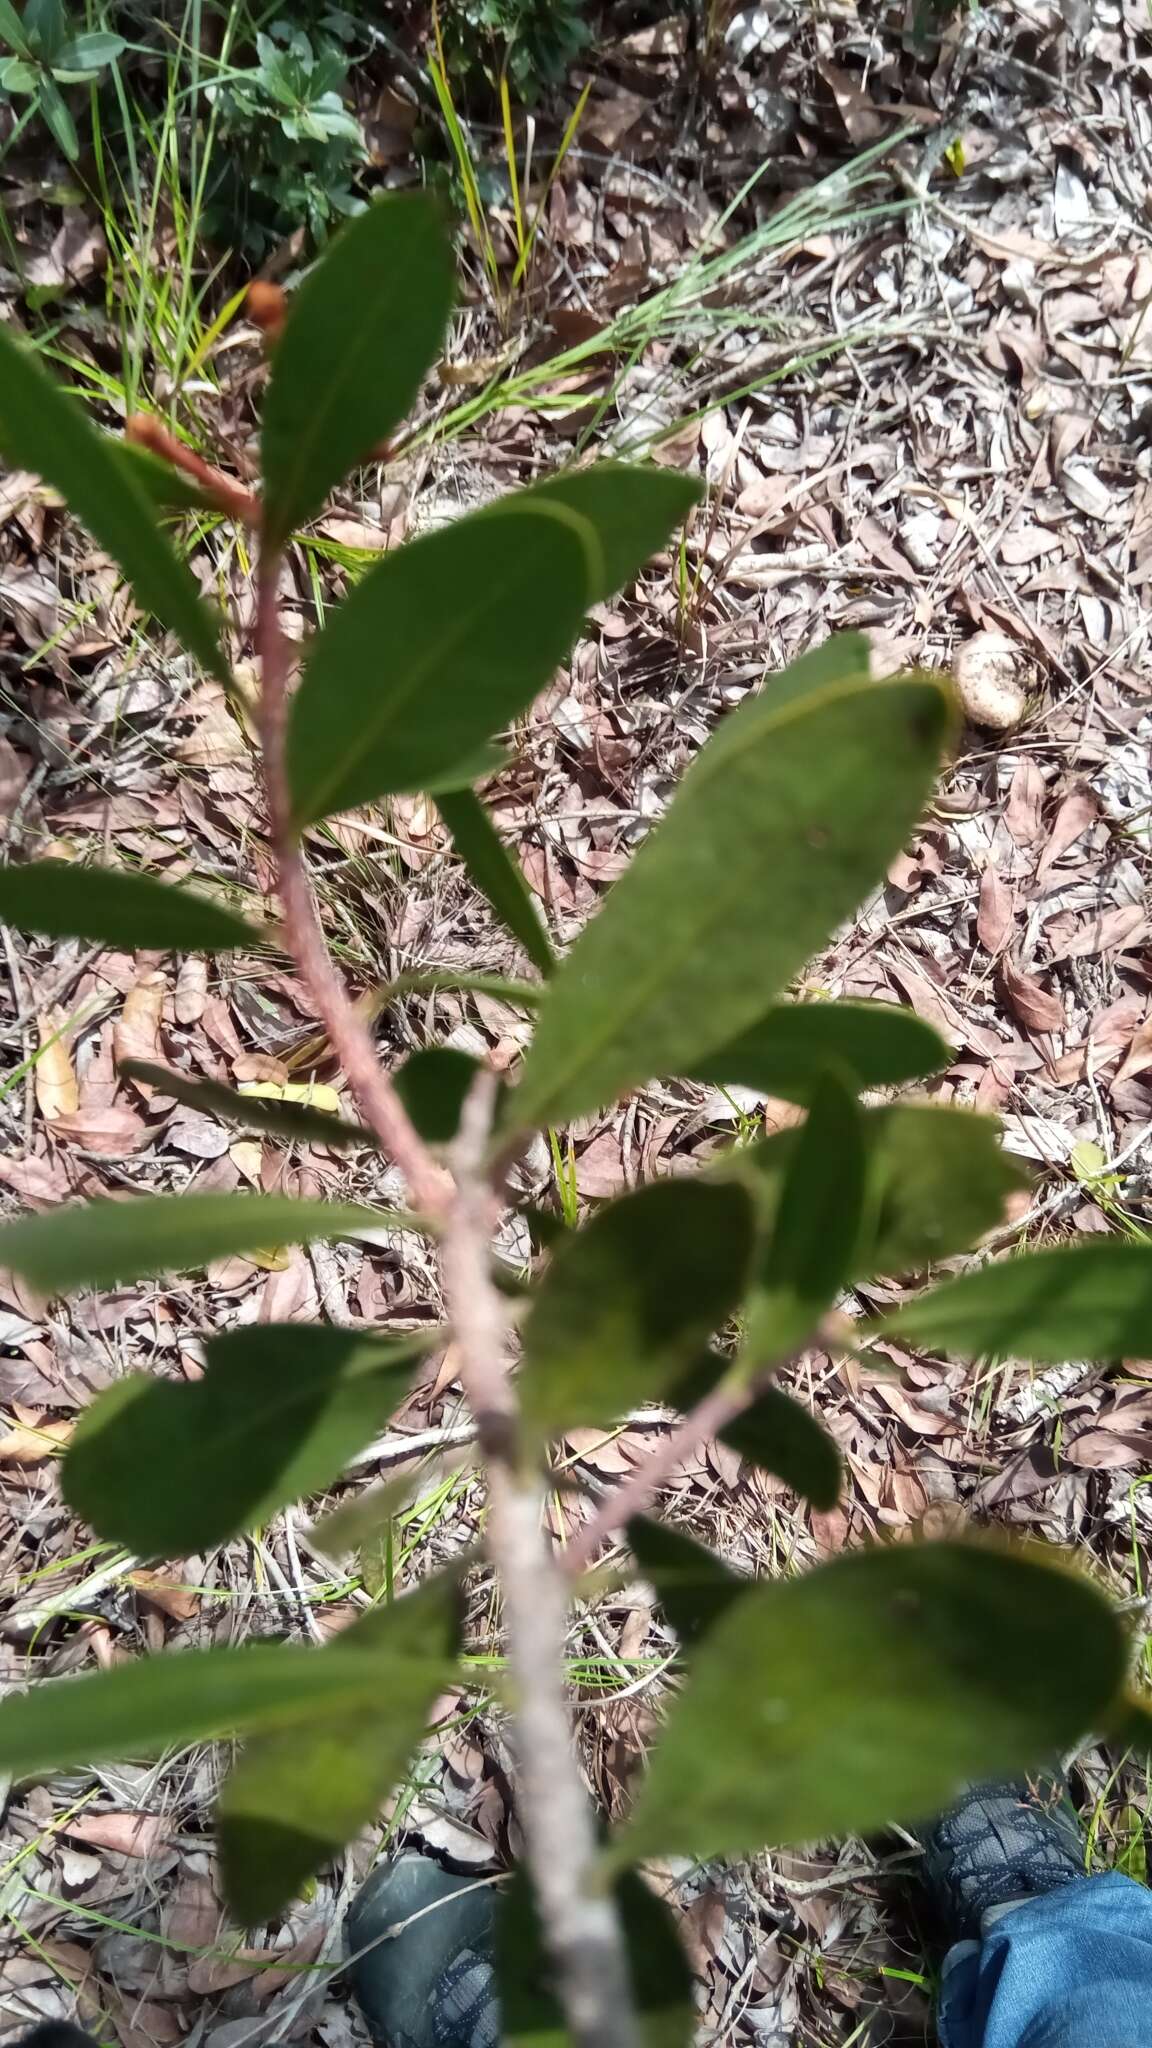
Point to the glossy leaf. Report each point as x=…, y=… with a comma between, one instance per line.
x=873, y=1689
x=632, y=507
x=496, y=872
x=938, y=1178
x=778, y=1434
x=433, y=1084
x=818, y=1224
x=530, y=2015
x=1092, y=1299
x=694, y=1586
x=105, y=1244
x=362, y=331
x=167, y=1468
x=434, y=650
x=63, y=901
x=299, y=1793
x=142, y=1708
x=44, y=429
x=782, y=824
x=628, y=1300
x=296, y=1120
x=877, y=1045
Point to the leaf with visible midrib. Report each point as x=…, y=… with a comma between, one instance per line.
x=632, y=506
x=873, y=1689
x=362, y=330
x=781, y=826
x=116, y=908
x=106, y=1244
x=818, y=1224
x=43, y=429
x=434, y=650
x=1086, y=1300
x=167, y=1468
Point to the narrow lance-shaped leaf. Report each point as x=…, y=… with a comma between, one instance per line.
x=819, y=1221
x=44, y=429
x=116, y=908
x=299, y=1793
x=873, y=1689
x=142, y=1708
x=1086, y=1300
x=629, y=1299
x=877, y=1045
x=782, y=824
x=168, y=1468
x=434, y=650
x=298, y=1120
x=105, y=1244
x=496, y=872
x=362, y=330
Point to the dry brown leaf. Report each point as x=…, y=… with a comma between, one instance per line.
x=29, y=1446
x=14, y=772
x=165, y=1591
x=127, y=1834
x=1115, y=930
x=137, y=1032
x=113, y=1130
x=1106, y=1450
x=1138, y=1057
x=57, y=1089
x=1080, y=808
x=997, y=909
x=1035, y=1007
x=191, y=990
x=1025, y=801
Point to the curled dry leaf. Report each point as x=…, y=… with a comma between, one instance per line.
x=126, y=1834
x=28, y=1445
x=137, y=1032
x=191, y=989
x=997, y=909
x=113, y=1130
x=57, y=1090
x=1079, y=809
x=1035, y=1007
x=1025, y=801
x=167, y=1592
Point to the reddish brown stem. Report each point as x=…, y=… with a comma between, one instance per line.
x=638, y=1491
x=149, y=432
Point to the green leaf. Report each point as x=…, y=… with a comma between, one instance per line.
x=104, y=1244
x=877, y=1045
x=694, y=1586
x=432, y=1084
x=89, y=52
x=781, y=826
x=363, y=329
x=299, y=1793
x=871, y=1690
x=632, y=508
x=17, y=76
x=296, y=1120
x=63, y=901
x=434, y=650
x=429, y=981
x=167, y=1468
x=818, y=1224
x=12, y=28
x=496, y=872
x=57, y=117
x=938, y=1178
x=1086, y=1300
x=530, y=2014
x=43, y=429
x=154, y=1703
x=778, y=1434
x=628, y=1300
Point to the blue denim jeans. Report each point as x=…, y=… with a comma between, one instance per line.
x=1070, y=1970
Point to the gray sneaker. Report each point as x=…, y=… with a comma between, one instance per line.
x=419, y=1942
x=1000, y=1844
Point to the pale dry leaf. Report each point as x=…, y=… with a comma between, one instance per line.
x=127, y=1834
x=14, y=772
x=191, y=989
x=1138, y=1057
x=1035, y=1007
x=1079, y=810
x=57, y=1089
x=1025, y=801
x=27, y=1445
x=137, y=1031
x=997, y=909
